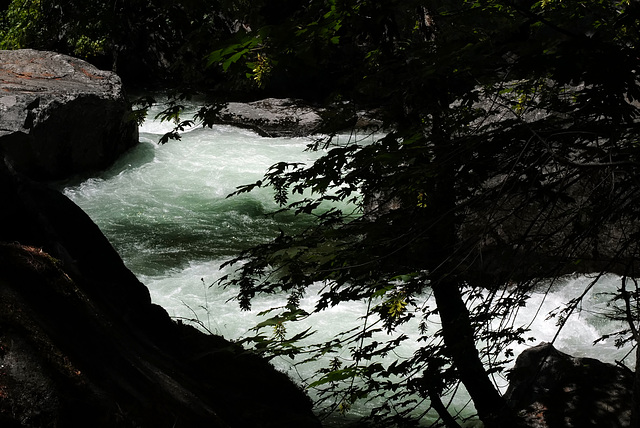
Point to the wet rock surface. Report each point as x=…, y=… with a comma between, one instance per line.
x=286, y=117
x=551, y=389
x=61, y=116
x=273, y=117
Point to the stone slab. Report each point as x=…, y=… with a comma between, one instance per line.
x=61, y=116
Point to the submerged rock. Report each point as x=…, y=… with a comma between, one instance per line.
x=551, y=389
x=81, y=344
x=61, y=116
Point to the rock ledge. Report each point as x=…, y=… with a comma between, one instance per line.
x=61, y=116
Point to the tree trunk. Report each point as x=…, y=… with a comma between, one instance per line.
x=460, y=345
x=457, y=330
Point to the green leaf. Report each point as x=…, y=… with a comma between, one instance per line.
x=336, y=376
x=234, y=58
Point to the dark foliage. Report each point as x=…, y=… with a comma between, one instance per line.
x=511, y=160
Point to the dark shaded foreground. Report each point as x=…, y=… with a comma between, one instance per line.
x=81, y=344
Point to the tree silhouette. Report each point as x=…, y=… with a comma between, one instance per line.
x=510, y=160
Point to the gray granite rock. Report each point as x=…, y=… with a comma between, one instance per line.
x=273, y=117
x=286, y=117
x=61, y=116
x=551, y=389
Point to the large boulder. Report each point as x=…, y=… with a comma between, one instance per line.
x=273, y=117
x=61, y=116
x=551, y=389
x=287, y=117
x=81, y=344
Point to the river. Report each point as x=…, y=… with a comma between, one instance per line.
x=165, y=209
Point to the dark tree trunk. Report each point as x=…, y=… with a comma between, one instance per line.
x=457, y=329
x=458, y=336
x=436, y=402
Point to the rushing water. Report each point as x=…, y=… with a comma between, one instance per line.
x=165, y=209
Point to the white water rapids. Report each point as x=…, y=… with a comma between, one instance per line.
x=164, y=208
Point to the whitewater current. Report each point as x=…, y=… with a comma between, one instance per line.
x=165, y=209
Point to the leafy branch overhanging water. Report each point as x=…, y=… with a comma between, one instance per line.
x=506, y=168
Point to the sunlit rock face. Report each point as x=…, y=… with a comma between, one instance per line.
x=61, y=116
x=551, y=389
x=286, y=117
